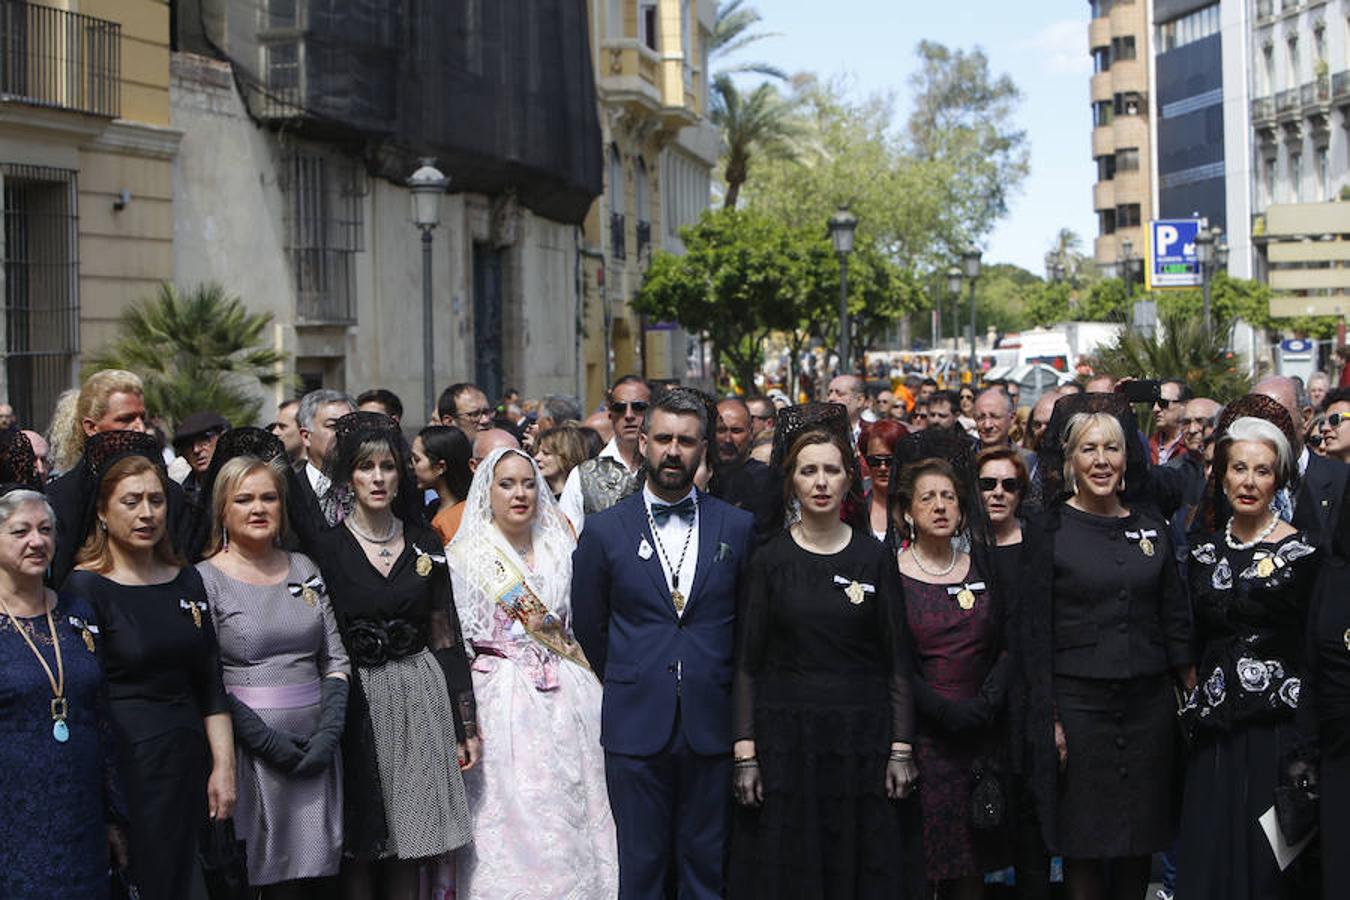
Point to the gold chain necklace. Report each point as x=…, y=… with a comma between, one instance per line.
x=60, y=730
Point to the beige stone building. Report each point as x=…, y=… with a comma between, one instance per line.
x=1118, y=38
x=86, y=164
x=651, y=72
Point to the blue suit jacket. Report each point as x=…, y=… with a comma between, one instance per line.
x=647, y=656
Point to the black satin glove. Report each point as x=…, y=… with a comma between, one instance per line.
x=902, y=777
x=747, y=784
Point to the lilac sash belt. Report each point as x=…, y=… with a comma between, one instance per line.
x=285, y=696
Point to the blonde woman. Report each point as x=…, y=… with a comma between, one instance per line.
x=285, y=669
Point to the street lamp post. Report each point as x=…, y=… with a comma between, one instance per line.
x=427, y=185
x=842, y=225
x=1204, y=257
x=970, y=262
x=954, y=279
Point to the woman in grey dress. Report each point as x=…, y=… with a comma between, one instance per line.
x=287, y=673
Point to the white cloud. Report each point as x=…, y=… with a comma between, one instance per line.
x=1063, y=47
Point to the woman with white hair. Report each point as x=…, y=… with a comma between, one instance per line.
x=56, y=752
x=541, y=818
x=1250, y=584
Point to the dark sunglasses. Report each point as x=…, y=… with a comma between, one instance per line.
x=1010, y=485
x=1335, y=419
x=1163, y=402
x=878, y=461
x=637, y=406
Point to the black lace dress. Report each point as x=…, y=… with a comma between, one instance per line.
x=1250, y=612
x=821, y=688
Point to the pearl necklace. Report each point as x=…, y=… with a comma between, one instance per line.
x=918, y=561
x=1265, y=533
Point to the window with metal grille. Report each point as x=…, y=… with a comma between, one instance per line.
x=325, y=198
x=41, y=267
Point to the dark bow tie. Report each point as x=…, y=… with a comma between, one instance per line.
x=661, y=512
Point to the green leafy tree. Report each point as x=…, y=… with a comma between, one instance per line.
x=963, y=117
x=739, y=279
x=1104, y=301
x=1181, y=349
x=1048, y=304
x=197, y=350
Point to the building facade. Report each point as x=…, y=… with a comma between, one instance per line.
x=301, y=126
x=1300, y=184
x=651, y=67
x=86, y=169
x=1119, y=41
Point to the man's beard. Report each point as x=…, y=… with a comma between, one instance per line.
x=673, y=479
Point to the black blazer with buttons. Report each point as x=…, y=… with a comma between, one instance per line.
x=1319, y=499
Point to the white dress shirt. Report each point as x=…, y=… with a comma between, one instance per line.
x=317, y=480
x=671, y=536
x=572, y=503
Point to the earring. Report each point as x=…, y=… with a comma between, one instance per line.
x=1121, y=488
x=1073, y=484
x=224, y=542
x=909, y=526
x=102, y=525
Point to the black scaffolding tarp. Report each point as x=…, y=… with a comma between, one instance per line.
x=501, y=92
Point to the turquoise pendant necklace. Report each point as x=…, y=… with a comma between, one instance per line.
x=60, y=730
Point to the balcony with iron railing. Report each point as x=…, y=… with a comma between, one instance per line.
x=1265, y=9
x=1263, y=109
x=1340, y=85
x=1287, y=101
x=59, y=60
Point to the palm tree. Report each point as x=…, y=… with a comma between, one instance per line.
x=761, y=123
x=198, y=350
x=734, y=20
x=1065, y=253
x=1182, y=349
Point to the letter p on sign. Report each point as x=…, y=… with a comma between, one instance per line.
x=1167, y=236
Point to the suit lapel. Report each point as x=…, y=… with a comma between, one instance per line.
x=709, y=538
x=635, y=510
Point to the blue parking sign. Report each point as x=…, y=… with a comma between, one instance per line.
x=1171, y=253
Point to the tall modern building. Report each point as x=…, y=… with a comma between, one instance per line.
x=1300, y=185
x=1118, y=37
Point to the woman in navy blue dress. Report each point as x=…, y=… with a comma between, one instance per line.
x=56, y=772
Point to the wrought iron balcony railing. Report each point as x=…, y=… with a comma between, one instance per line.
x=59, y=60
x=618, y=247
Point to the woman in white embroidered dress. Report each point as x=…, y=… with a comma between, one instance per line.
x=541, y=819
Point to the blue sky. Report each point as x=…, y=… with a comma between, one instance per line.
x=1041, y=44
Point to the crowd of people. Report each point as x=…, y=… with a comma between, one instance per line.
x=880, y=645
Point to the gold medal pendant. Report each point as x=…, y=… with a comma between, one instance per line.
x=855, y=593
x=965, y=598
x=307, y=594
x=196, y=616
x=1146, y=545
x=423, y=565
x=88, y=639
x=1346, y=637
x=1266, y=567
x=677, y=598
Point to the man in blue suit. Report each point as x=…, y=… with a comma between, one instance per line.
x=654, y=588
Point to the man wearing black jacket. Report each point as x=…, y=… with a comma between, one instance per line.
x=743, y=482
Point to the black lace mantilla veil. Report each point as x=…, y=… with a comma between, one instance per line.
x=1259, y=406
x=1051, y=453
x=349, y=434
x=18, y=462
x=244, y=441
x=101, y=452
x=795, y=421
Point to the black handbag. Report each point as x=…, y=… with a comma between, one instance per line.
x=988, y=799
x=224, y=864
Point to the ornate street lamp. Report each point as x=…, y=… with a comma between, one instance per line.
x=842, y=225
x=970, y=263
x=426, y=186
x=1204, y=257
x=1127, y=266
x=954, y=282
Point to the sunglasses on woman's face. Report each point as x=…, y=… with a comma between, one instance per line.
x=878, y=461
x=1334, y=420
x=1010, y=485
